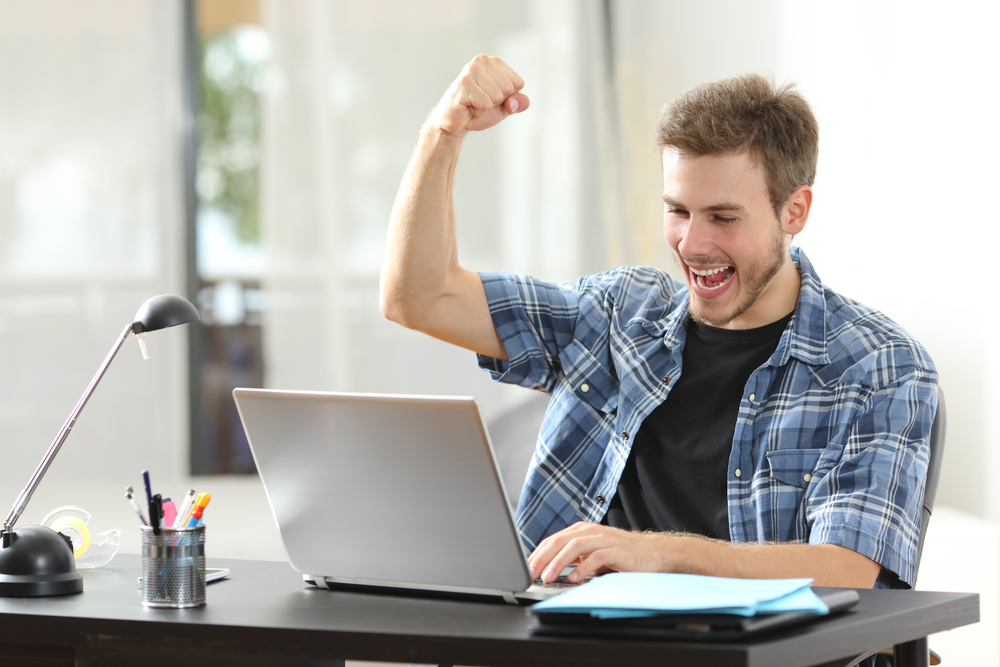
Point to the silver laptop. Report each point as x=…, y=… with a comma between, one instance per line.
x=388, y=491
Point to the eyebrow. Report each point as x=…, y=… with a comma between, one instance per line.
x=723, y=206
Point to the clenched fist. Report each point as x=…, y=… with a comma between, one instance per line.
x=486, y=92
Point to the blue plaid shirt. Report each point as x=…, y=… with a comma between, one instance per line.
x=831, y=439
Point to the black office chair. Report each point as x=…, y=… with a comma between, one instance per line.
x=938, y=431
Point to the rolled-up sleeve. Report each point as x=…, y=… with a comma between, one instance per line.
x=871, y=500
x=534, y=320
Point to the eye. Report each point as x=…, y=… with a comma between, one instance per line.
x=726, y=220
x=676, y=211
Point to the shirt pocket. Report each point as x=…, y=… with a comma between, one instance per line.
x=588, y=379
x=795, y=467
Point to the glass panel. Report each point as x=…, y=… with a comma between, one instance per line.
x=233, y=53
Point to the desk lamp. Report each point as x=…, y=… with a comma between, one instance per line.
x=36, y=561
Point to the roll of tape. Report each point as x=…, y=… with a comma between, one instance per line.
x=76, y=531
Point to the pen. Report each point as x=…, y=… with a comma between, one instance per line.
x=195, y=519
x=149, y=490
x=135, y=506
x=185, y=509
x=202, y=500
x=199, y=509
x=156, y=513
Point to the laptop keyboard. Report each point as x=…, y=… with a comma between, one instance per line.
x=561, y=582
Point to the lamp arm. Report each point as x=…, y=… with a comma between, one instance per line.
x=22, y=500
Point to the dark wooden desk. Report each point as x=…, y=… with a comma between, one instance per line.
x=265, y=612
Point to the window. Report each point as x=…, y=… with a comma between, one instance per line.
x=232, y=49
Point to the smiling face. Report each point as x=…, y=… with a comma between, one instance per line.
x=722, y=227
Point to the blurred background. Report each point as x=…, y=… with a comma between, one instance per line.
x=245, y=153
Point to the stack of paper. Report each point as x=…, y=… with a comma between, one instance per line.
x=637, y=594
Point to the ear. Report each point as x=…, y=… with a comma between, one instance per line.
x=796, y=212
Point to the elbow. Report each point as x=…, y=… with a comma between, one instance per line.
x=389, y=297
x=395, y=308
x=390, y=308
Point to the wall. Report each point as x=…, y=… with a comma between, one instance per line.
x=907, y=155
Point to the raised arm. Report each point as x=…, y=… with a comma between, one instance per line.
x=423, y=286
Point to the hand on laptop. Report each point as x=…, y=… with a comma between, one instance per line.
x=597, y=549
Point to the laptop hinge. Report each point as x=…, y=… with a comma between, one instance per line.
x=508, y=597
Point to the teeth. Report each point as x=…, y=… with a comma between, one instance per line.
x=701, y=283
x=709, y=272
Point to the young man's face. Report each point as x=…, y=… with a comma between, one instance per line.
x=723, y=230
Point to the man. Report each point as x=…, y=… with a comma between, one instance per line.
x=748, y=422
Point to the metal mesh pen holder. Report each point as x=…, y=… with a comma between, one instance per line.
x=173, y=567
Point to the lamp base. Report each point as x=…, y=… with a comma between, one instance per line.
x=36, y=561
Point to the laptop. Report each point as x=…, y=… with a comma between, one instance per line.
x=387, y=492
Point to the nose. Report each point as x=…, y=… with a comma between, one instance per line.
x=695, y=239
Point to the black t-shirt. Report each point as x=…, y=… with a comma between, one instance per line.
x=675, y=476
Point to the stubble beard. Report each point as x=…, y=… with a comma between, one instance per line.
x=755, y=280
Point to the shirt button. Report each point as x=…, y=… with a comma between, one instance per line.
x=665, y=379
x=806, y=478
x=585, y=387
x=752, y=397
x=737, y=472
x=600, y=500
x=624, y=435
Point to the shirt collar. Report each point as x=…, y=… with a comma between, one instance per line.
x=672, y=327
x=805, y=338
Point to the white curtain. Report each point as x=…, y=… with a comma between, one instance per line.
x=91, y=224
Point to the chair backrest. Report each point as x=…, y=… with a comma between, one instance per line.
x=938, y=429
x=514, y=434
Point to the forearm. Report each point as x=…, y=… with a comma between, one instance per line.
x=826, y=564
x=596, y=549
x=421, y=250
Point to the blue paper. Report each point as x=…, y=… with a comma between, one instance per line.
x=636, y=594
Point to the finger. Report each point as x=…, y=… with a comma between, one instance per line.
x=574, y=551
x=517, y=103
x=506, y=78
x=516, y=81
x=493, y=85
x=597, y=562
x=477, y=92
x=550, y=546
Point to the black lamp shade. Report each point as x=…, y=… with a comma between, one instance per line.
x=37, y=561
x=165, y=310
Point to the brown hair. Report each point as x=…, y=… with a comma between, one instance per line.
x=747, y=113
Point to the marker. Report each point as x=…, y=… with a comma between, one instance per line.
x=202, y=500
x=156, y=513
x=169, y=513
x=185, y=509
x=199, y=509
x=135, y=506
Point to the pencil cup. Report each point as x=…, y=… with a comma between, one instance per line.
x=173, y=567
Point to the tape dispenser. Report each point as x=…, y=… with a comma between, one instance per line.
x=90, y=550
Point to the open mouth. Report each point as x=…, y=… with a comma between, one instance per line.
x=713, y=279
